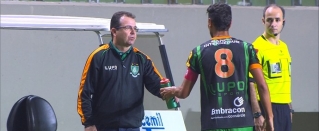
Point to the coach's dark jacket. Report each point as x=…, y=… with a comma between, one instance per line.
x=112, y=87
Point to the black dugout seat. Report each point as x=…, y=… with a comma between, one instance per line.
x=32, y=113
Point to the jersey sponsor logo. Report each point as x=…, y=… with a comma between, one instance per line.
x=235, y=112
x=228, y=88
x=151, y=123
x=221, y=42
x=222, y=111
x=239, y=101
x=134, y=70
x=111, y=68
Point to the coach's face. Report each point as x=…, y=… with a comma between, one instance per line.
x=126, y=34
x=273, y=20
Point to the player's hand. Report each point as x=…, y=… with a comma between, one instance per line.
x=167, y=92
x=259, y=123
x=90, y=128
x=269, y=125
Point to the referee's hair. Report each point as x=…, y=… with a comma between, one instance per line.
x=274, y=5
x=220, y=15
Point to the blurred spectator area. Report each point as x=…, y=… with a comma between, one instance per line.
x=205, y=2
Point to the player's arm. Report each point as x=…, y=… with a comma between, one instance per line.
x=253, y=98
x=258, y=118
x=256, y=70
x=263, y=91
x=184, y=90
x=189, y=81
x=252, y=88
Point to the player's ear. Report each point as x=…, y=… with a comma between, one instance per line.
x=209, y=23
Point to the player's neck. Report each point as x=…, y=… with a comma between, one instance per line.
x=271, y=38
x=222, y=34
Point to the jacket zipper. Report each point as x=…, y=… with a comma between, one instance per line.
x=121, y=87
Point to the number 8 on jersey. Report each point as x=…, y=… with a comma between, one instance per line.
x=224, y=67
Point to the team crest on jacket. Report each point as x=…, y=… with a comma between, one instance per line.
x=134, y=70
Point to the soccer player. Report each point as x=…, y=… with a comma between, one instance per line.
x=276, y=65
x=223, y=63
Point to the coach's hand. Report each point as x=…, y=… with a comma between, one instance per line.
x=90, y=128
x=259, y=123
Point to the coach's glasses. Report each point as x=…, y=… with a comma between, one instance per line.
x=128, y=27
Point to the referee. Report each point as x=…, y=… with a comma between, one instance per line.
x=273, y=55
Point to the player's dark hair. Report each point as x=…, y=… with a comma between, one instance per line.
x=115, y=20
x=274, y=5
x=220, y=15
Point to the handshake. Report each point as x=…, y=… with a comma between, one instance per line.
x=168, y=94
